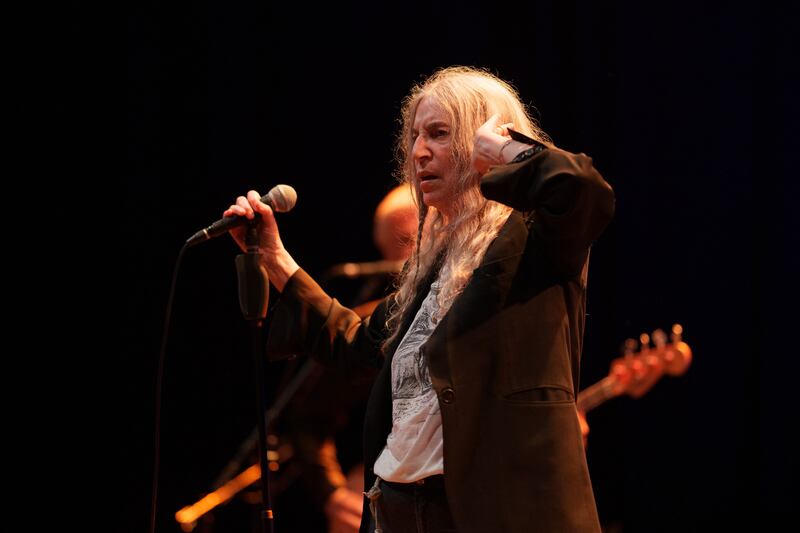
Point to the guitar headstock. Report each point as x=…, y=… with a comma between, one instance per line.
x=644, y=362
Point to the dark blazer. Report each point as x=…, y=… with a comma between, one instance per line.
x=504, y=360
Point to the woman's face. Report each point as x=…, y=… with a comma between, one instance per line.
x=434, y=168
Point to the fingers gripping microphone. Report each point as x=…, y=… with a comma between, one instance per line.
x=281, y=199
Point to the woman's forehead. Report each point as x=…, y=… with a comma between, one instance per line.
x=429, y=111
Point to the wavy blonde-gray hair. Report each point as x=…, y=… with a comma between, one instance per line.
x=468, y=97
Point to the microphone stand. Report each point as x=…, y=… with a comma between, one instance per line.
x=253, y=301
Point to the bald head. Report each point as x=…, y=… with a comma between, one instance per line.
x=395, y=225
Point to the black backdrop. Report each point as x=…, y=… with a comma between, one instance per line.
x=688, y=110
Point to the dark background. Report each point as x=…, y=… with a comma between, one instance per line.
x=687, y=108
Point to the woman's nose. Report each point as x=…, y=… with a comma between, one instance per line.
x=420, y=149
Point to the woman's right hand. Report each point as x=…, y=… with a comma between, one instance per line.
x=269, y=236
x=280, y=265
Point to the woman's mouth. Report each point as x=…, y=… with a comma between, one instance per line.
x=426, y=183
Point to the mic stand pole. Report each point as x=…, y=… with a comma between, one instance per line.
x=304, y=376
x=253, y=301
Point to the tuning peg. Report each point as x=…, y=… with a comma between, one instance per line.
x=659, y=338
x=677, y=332
x=630, y=346
x=644, y=340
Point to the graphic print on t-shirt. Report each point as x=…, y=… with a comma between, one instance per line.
x=411, y=382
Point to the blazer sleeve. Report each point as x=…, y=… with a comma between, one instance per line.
x=570, y=202
x=308, y=321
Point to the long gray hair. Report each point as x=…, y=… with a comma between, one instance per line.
x=468, y=96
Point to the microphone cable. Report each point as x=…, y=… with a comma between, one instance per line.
x=159, y=385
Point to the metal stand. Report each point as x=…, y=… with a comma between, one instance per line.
x=253, y=301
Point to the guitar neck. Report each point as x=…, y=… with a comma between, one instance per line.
x=596, y=394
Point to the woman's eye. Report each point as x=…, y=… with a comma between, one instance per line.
x=440, y=133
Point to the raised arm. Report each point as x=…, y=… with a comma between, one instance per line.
x=569, y=198
x=570, y=203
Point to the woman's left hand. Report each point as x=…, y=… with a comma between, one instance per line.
x=488, y=144
x=493, y=145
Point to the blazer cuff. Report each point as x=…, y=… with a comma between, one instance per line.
x=298, y=317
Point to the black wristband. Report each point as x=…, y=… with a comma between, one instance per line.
x=527, y=154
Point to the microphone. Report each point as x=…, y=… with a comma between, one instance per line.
x=355, y=270
x=280, y=198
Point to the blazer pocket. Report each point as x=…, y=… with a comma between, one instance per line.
x=551, y=394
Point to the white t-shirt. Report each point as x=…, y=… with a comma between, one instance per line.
x=414, y=447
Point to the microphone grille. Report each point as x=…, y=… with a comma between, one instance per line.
x=282, y=198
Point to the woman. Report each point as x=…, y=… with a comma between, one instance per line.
x=471, y=424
